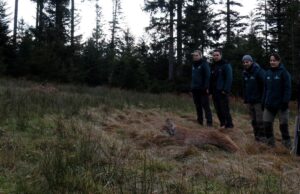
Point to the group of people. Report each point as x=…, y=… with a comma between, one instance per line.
x=266, y=92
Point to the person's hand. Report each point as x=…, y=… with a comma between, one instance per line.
x=205, y=91
x=272, y=109
x=223, y=92
x=262, y=107
x=284, y=106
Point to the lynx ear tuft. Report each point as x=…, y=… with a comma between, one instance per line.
x=169, y=123
x=168, y=120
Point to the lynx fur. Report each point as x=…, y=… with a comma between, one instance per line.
x=199, y=138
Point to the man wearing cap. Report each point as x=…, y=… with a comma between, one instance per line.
x=199, y=87
x=254, y=76
x=221, y=82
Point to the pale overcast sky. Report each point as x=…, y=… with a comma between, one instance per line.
x=133, y=16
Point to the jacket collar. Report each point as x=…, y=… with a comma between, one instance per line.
x=198, y=63
x=252, y=69
x=280, y=67
x=220, y=63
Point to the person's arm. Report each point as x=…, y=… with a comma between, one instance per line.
x=261, y=76
x=206, y=76
x=261, y=80
x=263, y=99
x=228, y=79
x=298, y=94
x=244, y=88
x=287, y=87
x=287, y=91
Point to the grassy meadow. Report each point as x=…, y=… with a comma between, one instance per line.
x=77, y=139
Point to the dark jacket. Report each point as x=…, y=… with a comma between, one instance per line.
x=221, y=77
x=200, y=75
x=277, y=91
x=298, y=94
x=253, y=84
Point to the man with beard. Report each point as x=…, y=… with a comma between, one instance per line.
x=221, y=82
x=254, y=76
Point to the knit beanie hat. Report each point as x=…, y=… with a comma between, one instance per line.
x=247, y=58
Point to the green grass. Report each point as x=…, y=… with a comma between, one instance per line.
x=52, y=142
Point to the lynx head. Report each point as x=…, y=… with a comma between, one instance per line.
x=169, y=127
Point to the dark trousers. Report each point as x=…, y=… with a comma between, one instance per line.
x=201, y=102
x=221, y=103
x=256, y=114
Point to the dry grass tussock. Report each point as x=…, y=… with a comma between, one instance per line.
x=69, y=139
x=252, y=163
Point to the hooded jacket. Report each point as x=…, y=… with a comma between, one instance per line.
x=253, y=84
x=277, y=91
x=200, y=75
x=221, y=77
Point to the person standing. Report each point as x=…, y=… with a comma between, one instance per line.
x=200, y=86
x=221, y=82
x=276, y=97
x=254, y=76
x=298, y=93
x=297, y=127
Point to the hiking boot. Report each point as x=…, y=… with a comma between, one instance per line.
x=200, y=121
x=259, y=134
x=209, y=124
x=256, y=136
x=270, y=140
x=287, y=144
x=286, y=139
x=229, y=126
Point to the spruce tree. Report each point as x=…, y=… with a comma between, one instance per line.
x=115, y=27
x=4, y=25
x=4, y=37
x=162, y=13
x=283, y=20
x=95, y=68
x=260, y=19
x=15, y=22
x=276, y=21
x=234, y=24
x=198, y=26
x=180, y=6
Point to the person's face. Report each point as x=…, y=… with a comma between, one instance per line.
x=247, y=64
x=196, y=56
x=217, y=56
x=274, y=62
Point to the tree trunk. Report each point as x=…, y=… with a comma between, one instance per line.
x=59, y=21
x=15, y=22
x=113, y=29
x=279, y=25
x=72, y=22
x=179, y=32
x=294, y=37
x=228, y=34
x=37, y=15
x=41, y=19
x=171, y=41
x=266, y=28
x=97, y=36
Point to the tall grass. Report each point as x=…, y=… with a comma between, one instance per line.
x=49, y=143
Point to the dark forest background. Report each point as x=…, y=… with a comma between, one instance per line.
x=51, y=51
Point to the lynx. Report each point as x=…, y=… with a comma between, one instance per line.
x=198, y=138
